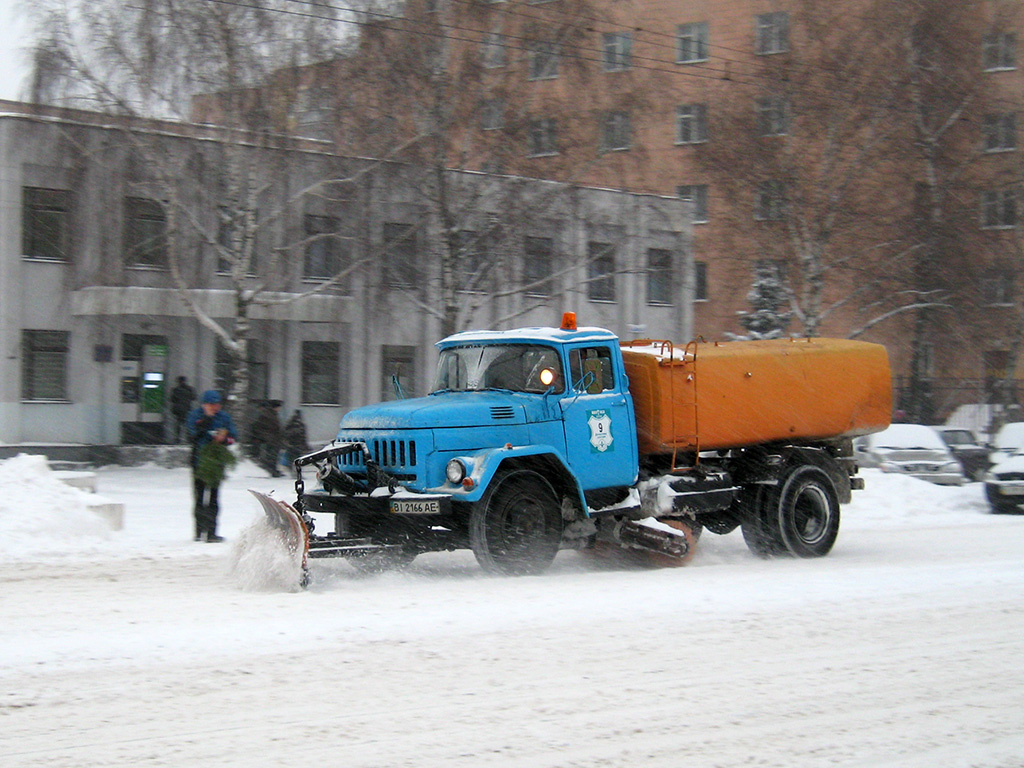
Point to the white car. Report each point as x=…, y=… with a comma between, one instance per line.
x=1008, y=441
x=910, y=449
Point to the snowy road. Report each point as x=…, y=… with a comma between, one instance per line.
x=903, y=648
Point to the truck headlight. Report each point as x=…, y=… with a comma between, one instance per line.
x=455, y=471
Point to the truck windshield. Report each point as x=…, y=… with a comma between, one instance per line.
x=516, y=367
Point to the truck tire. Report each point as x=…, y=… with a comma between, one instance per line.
x=758, y=523
x=806, y=509
x=516, y=528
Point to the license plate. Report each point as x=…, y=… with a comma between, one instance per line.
x=1012, y=490
x=416, y=506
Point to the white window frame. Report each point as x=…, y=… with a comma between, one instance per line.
x=770, y=201
x=772, y=33
x=616, y=131
x=999, y=52
x=999, y=132
x=543, y=137
x=691, y=123
x=773, y=116
x=493, y=51
x=617, y=51
x=698, y=195
x=1000, y=208
x=544, y=55
x=692, y=42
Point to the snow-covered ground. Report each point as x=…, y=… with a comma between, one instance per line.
x=903, y=648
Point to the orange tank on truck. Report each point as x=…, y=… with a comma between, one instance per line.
x=714, y=396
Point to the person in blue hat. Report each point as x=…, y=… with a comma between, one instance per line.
x=211, y=430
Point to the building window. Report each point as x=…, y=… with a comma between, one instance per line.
x=493, y=51
x=1000, y=132
x=470, y=261
x=698, y=195
x=772, y=33
x=44, y=361
x=538, y=258
x=323, y=252
x=543, y=60
x=45, y=223
x=772, y=116
x=692, y=42
x=400, y=255
x=999, y=51
x=999, y=208
x=700, y=281
x=691, y=123
x=145, y=233
x=615, y=131
x=321, y=382
x=618, y=51
x=659, y=276
x=492, y=114
x=601, y=271
x=770, y=201
x=542, y=137
x=397, y=363
x=997, y=288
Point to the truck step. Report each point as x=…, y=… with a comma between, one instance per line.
x=637, y=536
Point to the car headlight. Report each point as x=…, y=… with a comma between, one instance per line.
x=455, y=471
x=888, y=466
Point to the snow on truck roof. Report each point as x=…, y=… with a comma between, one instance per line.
x=542, y=334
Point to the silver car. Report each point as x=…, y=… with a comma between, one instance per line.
x=910, y=449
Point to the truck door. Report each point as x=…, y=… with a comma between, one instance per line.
x=597, y=413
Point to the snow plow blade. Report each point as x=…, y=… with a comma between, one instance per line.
x=288, y=522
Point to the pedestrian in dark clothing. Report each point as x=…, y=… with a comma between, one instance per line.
x=181, y=403
x=212, y=430
x=295, y=444
x=266, y=436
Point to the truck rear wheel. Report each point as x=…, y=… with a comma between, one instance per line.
x=516, y=528
x=759, y=530
x=807, y=512
x=798, y=517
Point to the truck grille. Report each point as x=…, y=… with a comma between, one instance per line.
x=386, y=453
x=503, y=412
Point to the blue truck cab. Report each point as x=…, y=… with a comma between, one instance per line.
x=536, y=423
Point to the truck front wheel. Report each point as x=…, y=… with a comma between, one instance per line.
x=516, y=528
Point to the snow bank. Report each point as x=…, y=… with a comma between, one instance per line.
x=898, y=501
x=41, y=514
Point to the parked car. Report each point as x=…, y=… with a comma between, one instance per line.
x=1008, y=441
x=1004, y=484
x=910, y=449
x=972, y=455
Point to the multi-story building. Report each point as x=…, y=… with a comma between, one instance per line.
x=867, y=153
x=115, y=277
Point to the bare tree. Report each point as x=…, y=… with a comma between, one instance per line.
x=456, y=86
x=225, y=190
x=802, y=147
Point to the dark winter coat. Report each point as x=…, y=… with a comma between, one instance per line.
x=295, y=436
x=266, y=427
x=181, y=399
x=202, y=427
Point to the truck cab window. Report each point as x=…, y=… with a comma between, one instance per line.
x=596, y=361
x=532, y=368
